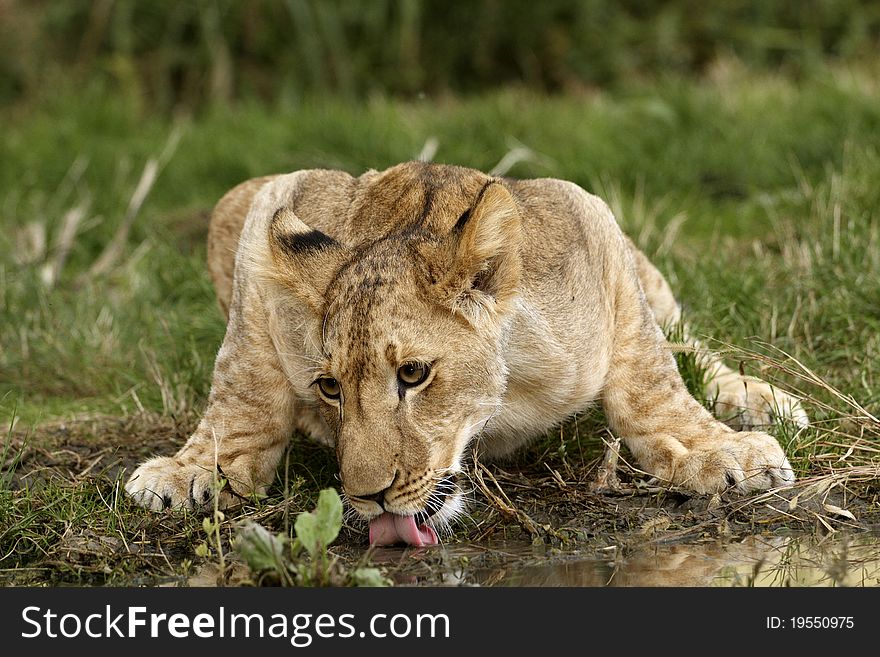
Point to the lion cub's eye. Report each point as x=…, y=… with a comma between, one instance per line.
x=329, y=387
x=412, y=374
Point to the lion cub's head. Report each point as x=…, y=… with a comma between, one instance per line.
x=405, y=337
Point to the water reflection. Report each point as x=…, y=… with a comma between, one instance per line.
x=835, y=560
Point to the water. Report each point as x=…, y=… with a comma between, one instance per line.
x=796, y=560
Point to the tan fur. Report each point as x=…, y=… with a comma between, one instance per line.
x=523, y=296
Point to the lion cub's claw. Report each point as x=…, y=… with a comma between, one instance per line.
x=163, y=483
x=741, y=462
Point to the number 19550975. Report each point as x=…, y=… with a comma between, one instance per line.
x=810, y=623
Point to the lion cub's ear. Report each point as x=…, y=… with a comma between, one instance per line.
x=305, y=259
x=482, y=268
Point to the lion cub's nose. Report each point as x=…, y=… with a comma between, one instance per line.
x=378, y=498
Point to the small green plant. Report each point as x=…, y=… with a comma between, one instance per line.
x=265, y=553
x=316, y=530
x=9, y=456
x=211, y=526
x=306, y=560
x=213, y=543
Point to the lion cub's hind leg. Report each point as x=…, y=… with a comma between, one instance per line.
x=669, y=432
x=746, y=402
x=742, y=402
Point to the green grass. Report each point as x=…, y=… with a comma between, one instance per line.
x=755, y=194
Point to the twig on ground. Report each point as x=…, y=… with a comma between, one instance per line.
x=606, y=476
x=502, y=503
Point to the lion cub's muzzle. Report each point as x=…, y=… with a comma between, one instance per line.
x=394, y=524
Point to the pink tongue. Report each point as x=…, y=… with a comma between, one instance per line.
x=390, y=528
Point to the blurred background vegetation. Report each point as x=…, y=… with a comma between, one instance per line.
x=755, y=122
x=188, y=53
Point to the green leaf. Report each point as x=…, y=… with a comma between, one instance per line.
x=261, y=549
x=307, y=533
x=329, y=516
x=318, y=529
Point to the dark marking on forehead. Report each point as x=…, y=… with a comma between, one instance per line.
x=428, y=204
x=359, y=336
x=366, y=297
x=371, y=283
x=428, y=179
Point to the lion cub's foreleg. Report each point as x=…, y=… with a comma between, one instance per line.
x=243, y=432
x=670, y=434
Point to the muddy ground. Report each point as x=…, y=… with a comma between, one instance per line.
x=550, y=518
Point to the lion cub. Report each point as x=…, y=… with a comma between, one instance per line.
x=404, y=314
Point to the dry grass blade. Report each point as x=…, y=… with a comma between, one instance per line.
x=517, y=153
x=815, y=489
x=502, y=502
x=112, y=252
x=30, y=243
x=51, y=272
x=114, y=248
x=836, y=510
x=429, y=150
x=809, y=375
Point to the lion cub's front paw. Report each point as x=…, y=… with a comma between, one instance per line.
x=164, y=482
x=745, y=404
x=740, y=461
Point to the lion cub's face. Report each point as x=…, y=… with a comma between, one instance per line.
x=406, y=385
x=408, y=336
